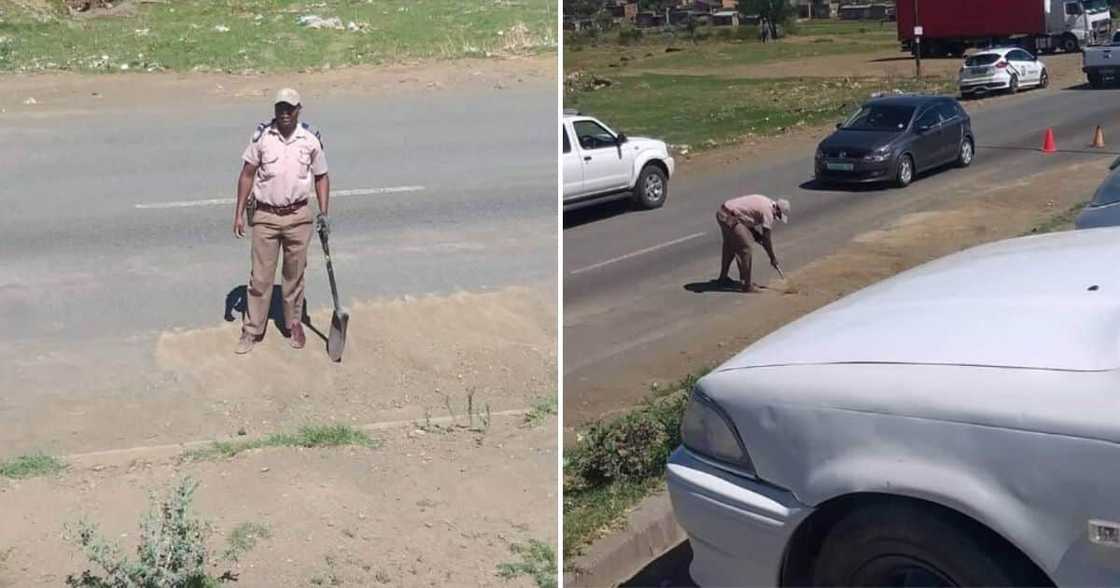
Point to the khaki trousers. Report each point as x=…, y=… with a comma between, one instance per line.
x=736, y=245
x=271, y=234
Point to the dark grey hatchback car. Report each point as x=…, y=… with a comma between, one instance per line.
x=892, y=139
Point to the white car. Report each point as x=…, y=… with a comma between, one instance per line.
x=955, y=425
x=601, y=165
x=1009, y=69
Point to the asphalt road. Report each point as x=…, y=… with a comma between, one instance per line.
x=629, y=275
x=118, y=226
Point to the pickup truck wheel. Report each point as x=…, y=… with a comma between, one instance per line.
x=903, y=544
x=652, y=187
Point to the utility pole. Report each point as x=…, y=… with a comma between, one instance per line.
x=917, y=41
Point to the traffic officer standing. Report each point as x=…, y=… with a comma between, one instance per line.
x=741, y=219
x=283, y=163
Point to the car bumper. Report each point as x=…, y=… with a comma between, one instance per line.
x=861, y=173
x=738, y=527
x=974, y=85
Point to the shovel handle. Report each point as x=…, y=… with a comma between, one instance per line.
x=330, y=269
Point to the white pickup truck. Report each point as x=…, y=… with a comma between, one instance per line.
x=603, y=165
x=1102, y=63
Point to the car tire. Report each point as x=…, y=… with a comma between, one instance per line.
x=652, y=187
x=904, y=173
x=1044, y=79
x=1013, y=85
x=966, y=153
x=883, y=544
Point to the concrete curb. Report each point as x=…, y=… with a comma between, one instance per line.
x=651, y=531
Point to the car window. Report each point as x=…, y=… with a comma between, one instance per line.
x=1109, y=192
x=981, y=60
x=567, y=143
x=928, y=118
x=1019, y=55
x=946, y=111
x=1073, y=9
x=592, y=135
x=880, y=117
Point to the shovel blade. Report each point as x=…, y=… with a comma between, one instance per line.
x=336, y=340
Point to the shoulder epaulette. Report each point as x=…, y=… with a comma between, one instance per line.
x=261, y=128
x=314, y=131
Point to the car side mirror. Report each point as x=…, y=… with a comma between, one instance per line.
x=839, y=124
x=1115, y=164
x=622, y=138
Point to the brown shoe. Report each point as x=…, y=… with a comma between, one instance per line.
x=245, y=344
x=297, y=339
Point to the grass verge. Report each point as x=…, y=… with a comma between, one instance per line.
x=307, y=436
x=1062, y=221
x=701, y=112
x=538, y=561
x=29, y=466
x=617, y=462
x=266, y=35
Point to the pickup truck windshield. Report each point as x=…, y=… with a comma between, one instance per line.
x=880, y=117
x=1096, y=6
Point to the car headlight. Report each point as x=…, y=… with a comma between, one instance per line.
x=707, y=430
x=878, y=155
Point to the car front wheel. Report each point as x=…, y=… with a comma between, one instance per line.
x=967, y=153
x=652, y=187
x=904, y=544
x=905, y=173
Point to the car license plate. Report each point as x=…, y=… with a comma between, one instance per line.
x=976, y=72
x=840, y=166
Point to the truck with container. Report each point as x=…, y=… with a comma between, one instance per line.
x=948, y=28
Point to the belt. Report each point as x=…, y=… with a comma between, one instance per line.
x=281, y=210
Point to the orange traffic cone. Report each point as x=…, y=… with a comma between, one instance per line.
x=1098, y=139
x=1048, y=142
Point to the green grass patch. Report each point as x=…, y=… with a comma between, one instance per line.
x=307, y=436
x=1062, y=221
x=244, y=538
x=616, y=463
x=538, y=561
x=717, y=47
x=266, y=35
x=706, y=111
x=541, y=410
x=30, y=466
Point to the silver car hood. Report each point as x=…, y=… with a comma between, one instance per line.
x=1020, y=303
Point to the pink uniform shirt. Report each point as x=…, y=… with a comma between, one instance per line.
x=757, y=209
x=286, y=168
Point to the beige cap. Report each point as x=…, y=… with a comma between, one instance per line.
x=783, y=205
x=287, y=95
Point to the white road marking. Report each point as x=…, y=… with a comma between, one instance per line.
x=635, y=254
x=334, y=194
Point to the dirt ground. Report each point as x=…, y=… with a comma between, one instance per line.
x=59, y=93
x=994, y=210
x=432, y=509
x=424, y=508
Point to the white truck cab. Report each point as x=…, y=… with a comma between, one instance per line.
x=601, y=165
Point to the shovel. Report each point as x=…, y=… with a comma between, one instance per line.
x=336, y=341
